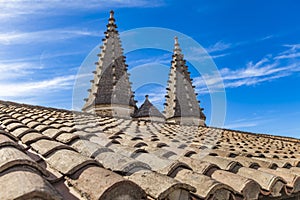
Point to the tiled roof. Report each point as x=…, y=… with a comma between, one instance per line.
x=48, y=153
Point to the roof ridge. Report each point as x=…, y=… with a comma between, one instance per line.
x=266, y=135
x=285, y=138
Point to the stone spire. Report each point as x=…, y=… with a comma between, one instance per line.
x=148, y=111
x=110, y=93
x=181, y=104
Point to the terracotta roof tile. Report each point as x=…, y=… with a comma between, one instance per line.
x=168, y=187
x=20, y=132
x=65, y=150
x=6, y=141
x=45, y=147
x=199, y=166
x=269, y=183
x=206, y=187
x=99, y=183
x=11, y=156
x=33, y=124
x=120, y=163
x=245, y=187
x=32, y=137
x=52, y=133
x=293, y=180
x=68, y=162
x=88, y=148
x=67, y=137
x=223, y=163
x=13, y=126
x=24, y=184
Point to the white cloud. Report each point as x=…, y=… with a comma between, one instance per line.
x=248, y=122
x=22, y=81
x=292, y=52
x=292, y=55
x=163, y=59
x=292, y=46
x=267, y=69
x=10, y=71
x=214, y=51
x=240, y=125
x=29, y=61
x=267, y=37
x=36, y=88
x=16, y=8
x=219, y=46
x=11, y=38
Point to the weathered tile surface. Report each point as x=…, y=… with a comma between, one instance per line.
x=26, y=185
x=72, y=155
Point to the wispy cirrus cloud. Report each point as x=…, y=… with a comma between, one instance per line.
x=247, y=76
x=292, y=52
x=240, y=125
x=267, y=69
x=219, y=46
x=33, y=61
x=36, y=88
x=292, y=55
x=10, y=71
x=162, y=59
x=213, y=51
x=13, y=38
x=267, y=37
x=25, y=81
x=16, y=8
x=217, y=50
x=248, y=122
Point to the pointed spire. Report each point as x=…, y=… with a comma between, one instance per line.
x=148, y=111
x=111, y=15
x=111, y=26
x=111, y=92
x=181, y=101
x=177, y=49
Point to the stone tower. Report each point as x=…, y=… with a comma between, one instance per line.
x=110, y=93
x=181, y=104
x=149, y=112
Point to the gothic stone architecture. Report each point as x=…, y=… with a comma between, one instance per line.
x=111, y=93
x=55, y=154
x=181, y=102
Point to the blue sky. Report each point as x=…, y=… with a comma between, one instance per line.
x=254, y=44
